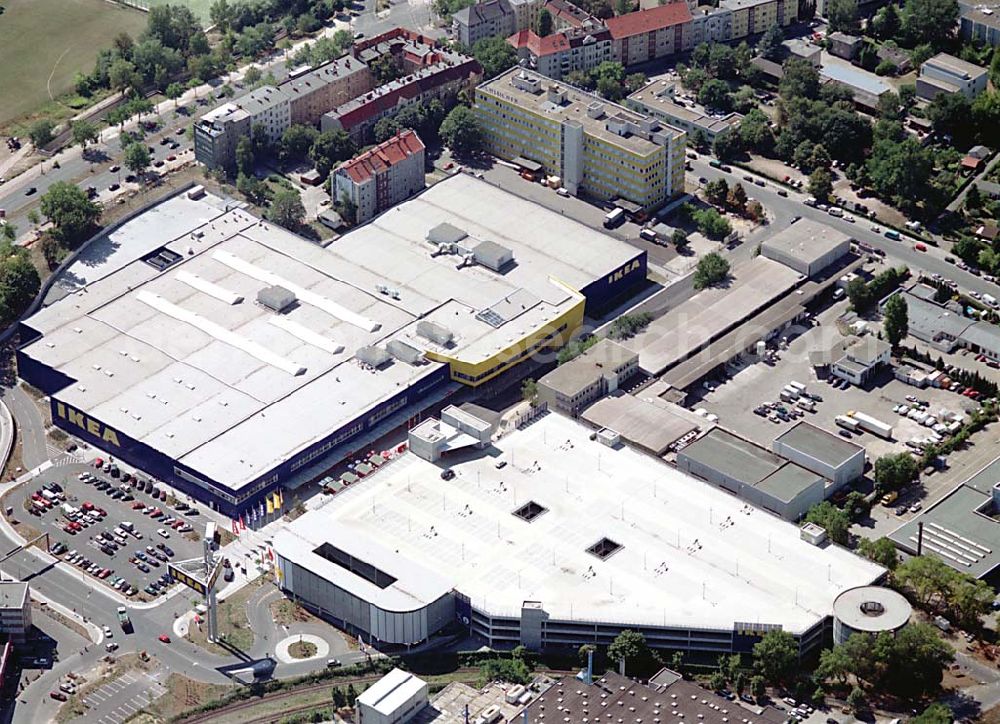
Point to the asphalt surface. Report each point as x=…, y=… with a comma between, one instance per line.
x=84, y=542
x=30, y=426
x=899, y=252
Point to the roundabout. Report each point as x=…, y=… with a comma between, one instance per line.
x=301, y=647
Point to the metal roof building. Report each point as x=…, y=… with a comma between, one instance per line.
x=836, y=459
x=166, y=359
x=807, y=246
x=753, y=473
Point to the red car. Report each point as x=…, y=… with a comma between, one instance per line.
x=57, y=695
x=920, y=247
x=88, y=506
x=164, y=639
x=138, y=504
x=98, y=463
x=177, y=524
x=104, y=573
x=69, y=529
x=101, y=512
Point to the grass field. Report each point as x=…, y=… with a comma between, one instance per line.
x=45, y=43
x=198, y=7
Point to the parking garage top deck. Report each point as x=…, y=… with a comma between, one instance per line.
x=690, y=555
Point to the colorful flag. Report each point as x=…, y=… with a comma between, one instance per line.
x=270, y=552
x=281, y=500
x=275, y=500
x=236, y=530
x=242, y=524
x=270, y=508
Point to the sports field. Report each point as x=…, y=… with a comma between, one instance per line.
x=43, y=43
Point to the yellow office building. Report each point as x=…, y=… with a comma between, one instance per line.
x=597, y=148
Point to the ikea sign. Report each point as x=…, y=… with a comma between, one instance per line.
x=88, y=424
x=619, y=274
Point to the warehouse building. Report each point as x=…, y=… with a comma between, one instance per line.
x=396, y=698
x=839, y=461
x=649, y=423
x=571, y=542
x=962, y=529
x=228, y=357
x=752, y=473
x=600, y=370
x=807, y=246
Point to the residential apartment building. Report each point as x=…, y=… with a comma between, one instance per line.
x=947, y=74
x=526, y=13
x=649, y=34
x=657, y=100
x=217, y=132
x=558, y=54
x=314, y=93
x=382, y=176
x=483, y=20
x=566, y=15
x=709, y=25
x=751, y=17
x=979, y=21
x=598, y=149
x=15, y=610
x=448, y=77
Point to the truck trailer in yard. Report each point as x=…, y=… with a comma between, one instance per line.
x=872, y=425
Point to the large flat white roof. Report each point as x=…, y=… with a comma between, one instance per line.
x=185, y=360
x=691, y=554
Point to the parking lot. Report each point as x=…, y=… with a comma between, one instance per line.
x=112, y=530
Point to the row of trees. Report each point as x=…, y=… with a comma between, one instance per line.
x=917, y=23
x=940, y=588
x=734, y=199
x=609, y=79
x=865, y=295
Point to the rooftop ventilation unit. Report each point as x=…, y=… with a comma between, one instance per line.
x=373, y=356
x=275, y=298
x=492, y=255
x=405, y=352
x=437, y=333
x=445, y=233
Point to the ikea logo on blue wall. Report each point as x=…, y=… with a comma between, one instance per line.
x=88, y=424
x=619, y=274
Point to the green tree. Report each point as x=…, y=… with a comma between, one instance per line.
x=821, y=184
x=776, y=656
x=717, y=191
x=758, y=687
x=286, y=209
x=136, y=158
x=929, y=21
x=843, y=15
x=255, y=190
x=74, y=215
x=800, y=80
x=679, y=238
x=882, y=551
x=253, y=76
x=329, y=149
x=712, y=269
x=33, y=217
x=514, y=671
x=770, y=42
x=460, y=131
x=543, y=27
x=820, y=158
x=174, y=91
x=19, y=283
x=835, y=521
x=712, y=224
x=244, y=156
x=886, y=23
x=856, y=699
x=860, y=295
x=529, y=391
x=122, y=76
x=584, y=651
x=936, y=713
x=296, y=142
x=973, y=198
x=727, y=146
x=895, y=470
x=737, y=198
x=495, y=55
x=717, y=681
x=339, y=700
x=896, y=321
x=84, y=132
x=715, y=94
x=917, y=662
x=629, y=647
x=929, y=578
x=40, y=132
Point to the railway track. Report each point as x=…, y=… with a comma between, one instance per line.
x=250, y=704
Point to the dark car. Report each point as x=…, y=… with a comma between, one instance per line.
x=447, y=474
x=229, y=574
x=131, y=178
x=114, y=187
x=31, y=191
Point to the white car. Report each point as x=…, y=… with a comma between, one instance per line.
x=111, y=647
x=108, y=633
x=162, y=533
x=877, y=229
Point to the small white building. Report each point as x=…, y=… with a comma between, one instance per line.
x=394, y=699
x=383, y=176
x=861, y=360
x=947, y=74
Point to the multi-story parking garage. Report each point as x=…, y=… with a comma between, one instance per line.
x=229, y=357
x=547, y=537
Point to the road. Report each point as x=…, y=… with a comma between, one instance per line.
x=30, y=426
x=899, y=252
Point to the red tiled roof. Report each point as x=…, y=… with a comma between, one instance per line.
x=416, y=87
x=388, y=153
x=645, y=21
x=553, y=43
x=971, y=162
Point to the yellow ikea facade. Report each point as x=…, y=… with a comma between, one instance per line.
x=551, y=336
